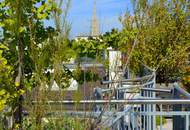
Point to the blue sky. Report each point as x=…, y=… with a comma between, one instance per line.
x=108, y=11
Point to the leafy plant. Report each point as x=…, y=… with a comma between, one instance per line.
x=158, y=120
x=161, y=43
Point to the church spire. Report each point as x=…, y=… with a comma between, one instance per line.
x=94, y=26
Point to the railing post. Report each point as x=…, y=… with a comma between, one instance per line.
x=97, y=96
x=178, y=121
x=122, y=120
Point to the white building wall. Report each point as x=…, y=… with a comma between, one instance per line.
x=114, y=65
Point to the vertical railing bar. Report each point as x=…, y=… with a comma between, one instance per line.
x=147, y=123
x=149, y=119
x=147, y=110
x=144, y=110
x=129, y=120
x=144, y=118
x=154, y=106
x=133, y=115
x=140, y=118
x=145, y=127
x=160, y=117
x=187, y=122
x=152, y=118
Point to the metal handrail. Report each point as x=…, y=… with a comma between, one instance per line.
x=86, y=113
x=181, y=90
x=157, y=90
x=127, y=87
x=127, y=80
x=130, y=101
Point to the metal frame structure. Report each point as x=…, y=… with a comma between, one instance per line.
x=140, y=111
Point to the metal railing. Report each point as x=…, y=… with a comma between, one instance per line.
x=142, y=111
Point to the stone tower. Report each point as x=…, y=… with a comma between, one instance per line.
x=94, y=26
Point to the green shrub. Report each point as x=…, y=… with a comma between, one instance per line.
x=158, y=120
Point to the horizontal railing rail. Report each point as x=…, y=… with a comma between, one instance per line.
x=127, y=87
x=157, y=90
x=181, y=90
x=148, y=77
x=131, y=101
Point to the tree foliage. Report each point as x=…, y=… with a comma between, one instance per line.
x=5, y=81
x=162, y=40
x=24, y=33
x=8, y=93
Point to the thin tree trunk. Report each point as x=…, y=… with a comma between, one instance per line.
x=20, y=78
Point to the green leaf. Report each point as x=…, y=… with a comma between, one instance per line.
x=2, y=92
